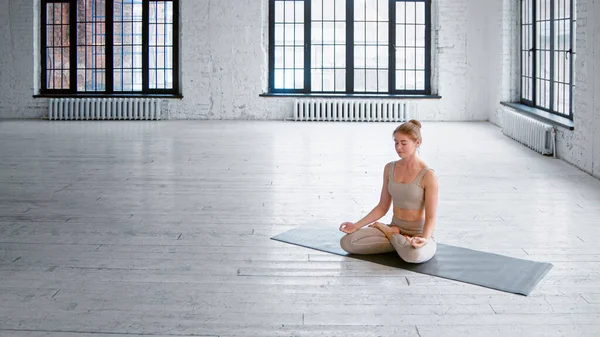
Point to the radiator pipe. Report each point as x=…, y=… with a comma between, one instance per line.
x=553, y=132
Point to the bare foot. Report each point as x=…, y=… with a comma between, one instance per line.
x=387, y=230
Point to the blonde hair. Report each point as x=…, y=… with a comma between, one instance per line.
x=412, y=128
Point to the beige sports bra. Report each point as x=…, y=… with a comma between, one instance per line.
x=407, y=195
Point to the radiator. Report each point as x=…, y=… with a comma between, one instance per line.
x=350, y=110
x=530, y=132
x=104, y=109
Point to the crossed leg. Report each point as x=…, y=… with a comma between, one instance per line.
x=384, y=239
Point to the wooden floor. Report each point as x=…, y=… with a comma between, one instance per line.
x=163, y=229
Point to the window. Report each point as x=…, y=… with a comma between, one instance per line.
x=107, y=47
x=547, y=55
x=349, y=46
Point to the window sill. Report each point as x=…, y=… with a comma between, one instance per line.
x=541, y=115
x=108, y=96
x=358, y=96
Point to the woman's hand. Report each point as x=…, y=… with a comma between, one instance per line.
x=348, y=227
x=389, y=231
x=418, y=242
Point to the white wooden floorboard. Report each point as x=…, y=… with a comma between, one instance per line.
x=163, y=229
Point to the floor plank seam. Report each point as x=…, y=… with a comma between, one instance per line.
x=105, y=333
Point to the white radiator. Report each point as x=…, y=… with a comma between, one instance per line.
x=530, y=132
x=104, y=109
x=350, y=110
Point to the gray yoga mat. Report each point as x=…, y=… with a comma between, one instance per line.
x=489, y=270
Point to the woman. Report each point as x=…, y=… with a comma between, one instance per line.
x=412, y=187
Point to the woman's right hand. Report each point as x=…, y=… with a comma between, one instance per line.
x=348, y=227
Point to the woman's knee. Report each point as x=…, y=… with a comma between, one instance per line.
x=346, y=243
x=420, y=255
x=417, y=258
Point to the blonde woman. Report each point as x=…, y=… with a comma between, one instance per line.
x=412, y=187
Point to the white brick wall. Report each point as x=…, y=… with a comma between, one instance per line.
x=16, y=61
x=580, y=147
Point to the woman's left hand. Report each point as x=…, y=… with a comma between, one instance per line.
x=418, y=241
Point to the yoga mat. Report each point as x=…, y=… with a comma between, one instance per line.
x=489, y=270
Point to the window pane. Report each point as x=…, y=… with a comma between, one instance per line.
x=359, y=57
x=411, y=14
x=317, y=10
x=289, y=11
x=57, y=46
x=340, y=9
x=400, y=35
x=328, y=56
x=279, y=12
x=328, y=33
x=371, y=40
x=288, y=53
x=410, y=45
x=400, y=58
x=411, y=36
x=340, y=57
x=410, y=80
x=359, y=80
x=382, y=57
x=289, y=58
x=371, y=56
x=127, y=52
x=420, y=58
x=340, y=80
x=91, y=20
x=371, y=80
x=400, y=80
x=420, y=12
x=299, y=58
x=279, y=78
x=371, y=33
x=370, y=9
x=526, y=53
x=299, y=78
x=299, y=11
x=329, y=10
x=328, y=42
x=279, y=34
x=340, y=33
x=420, y=80
x=411, y=58
x=382, y=80
x=420, y=35
x=316, y=80
x=359, y=10
x=328, y=80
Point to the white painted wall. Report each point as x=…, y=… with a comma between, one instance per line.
x=224, y=61
x=581, y=146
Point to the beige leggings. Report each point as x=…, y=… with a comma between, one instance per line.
x=371, y=240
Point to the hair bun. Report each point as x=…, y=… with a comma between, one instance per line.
x=415, y=122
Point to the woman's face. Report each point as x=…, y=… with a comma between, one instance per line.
x=405, y=145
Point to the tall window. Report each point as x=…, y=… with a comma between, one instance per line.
x=349, y=46
x=109, y=47
x=547, y=55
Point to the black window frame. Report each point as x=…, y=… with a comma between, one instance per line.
x=109, y=66
x=392, y=91
x=534, y=65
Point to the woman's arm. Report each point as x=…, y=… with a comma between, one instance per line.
x=430, y=184
x=385, y=201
